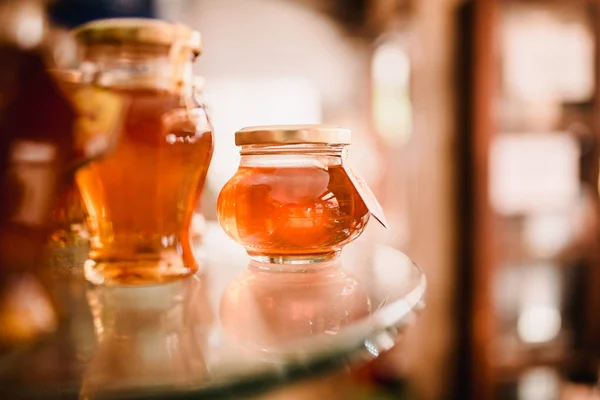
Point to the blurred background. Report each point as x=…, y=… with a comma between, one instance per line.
x=476, y=123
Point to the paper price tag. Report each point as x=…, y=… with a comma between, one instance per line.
x=367, y=196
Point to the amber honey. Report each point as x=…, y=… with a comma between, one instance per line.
x=140, y=198
x=292, y=213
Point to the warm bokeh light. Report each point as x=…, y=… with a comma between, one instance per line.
x=392, y=108
x=539, y=383
x=539, y=324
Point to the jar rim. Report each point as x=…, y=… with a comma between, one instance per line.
x=120, y=31
x=293, y=134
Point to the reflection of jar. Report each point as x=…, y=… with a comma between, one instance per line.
x=264, y=310
x=141, y=197
x=147, y=337
x=292, y=200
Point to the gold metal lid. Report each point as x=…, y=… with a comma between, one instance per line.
x=138, y=31
x=293, y=134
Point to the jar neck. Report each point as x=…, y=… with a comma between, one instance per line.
x=140, y=67
x=293, y=155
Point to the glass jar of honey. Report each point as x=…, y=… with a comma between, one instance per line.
x=293, y=200
x=140, y=198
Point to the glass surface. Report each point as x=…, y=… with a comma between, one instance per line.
x=235, y=330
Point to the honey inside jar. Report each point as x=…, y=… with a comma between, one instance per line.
x=140, y=198
x=292, y=203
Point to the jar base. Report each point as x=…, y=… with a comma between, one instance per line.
x=293, y=259
x=167, y=268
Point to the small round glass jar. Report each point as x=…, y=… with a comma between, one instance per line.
x=292, y=201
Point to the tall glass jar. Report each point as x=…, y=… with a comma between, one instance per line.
x=140, y=198
x=293, y=200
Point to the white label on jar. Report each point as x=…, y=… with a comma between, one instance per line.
x=367, y=196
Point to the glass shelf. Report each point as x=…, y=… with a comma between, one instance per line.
x=233, y=329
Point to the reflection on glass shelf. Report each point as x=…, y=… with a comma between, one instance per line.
x=149, y=336
x=261, y=309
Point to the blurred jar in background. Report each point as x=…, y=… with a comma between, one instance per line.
x=37, y=147
x=140, y=199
